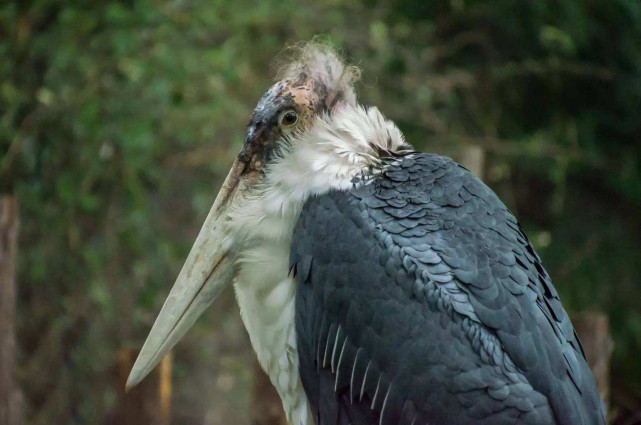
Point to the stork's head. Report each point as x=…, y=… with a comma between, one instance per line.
x=314, y=83
x=311, y=86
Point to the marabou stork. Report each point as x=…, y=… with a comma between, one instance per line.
x=378, y=285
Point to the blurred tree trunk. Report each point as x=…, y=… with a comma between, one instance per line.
x=10, y=396
x=593, y=329
x=149, y=402
x=266, y=407
x=472, y=157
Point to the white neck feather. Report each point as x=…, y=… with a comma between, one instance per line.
x=333, y=151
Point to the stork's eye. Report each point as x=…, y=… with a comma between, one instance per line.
x=288, y=118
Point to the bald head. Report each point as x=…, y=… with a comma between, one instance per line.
x=312, y=81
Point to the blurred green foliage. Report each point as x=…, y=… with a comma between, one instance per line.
x=118, y=120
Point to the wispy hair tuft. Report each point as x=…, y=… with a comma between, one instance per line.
x=320, y=61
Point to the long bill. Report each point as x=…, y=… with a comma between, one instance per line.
x=206, y=272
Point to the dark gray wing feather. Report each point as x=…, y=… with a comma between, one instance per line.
x=420, y=300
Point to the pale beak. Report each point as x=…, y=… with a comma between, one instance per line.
x=207, y=271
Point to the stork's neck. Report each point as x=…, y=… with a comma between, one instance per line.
x=332, y=152
x=328, y=156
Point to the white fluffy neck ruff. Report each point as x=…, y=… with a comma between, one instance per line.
x=332, y=152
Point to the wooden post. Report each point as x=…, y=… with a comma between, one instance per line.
x=10, y=396
x=593, y=329
x=150, y=401
x=266, y=408
x=164, y=389
x=472, y=157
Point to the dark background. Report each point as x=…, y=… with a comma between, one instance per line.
x=119, y=119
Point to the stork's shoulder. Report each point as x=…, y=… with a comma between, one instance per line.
x=423, y=181
x=439, y=236
x=455, y=229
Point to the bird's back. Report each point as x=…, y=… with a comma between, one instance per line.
x=420, y=300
